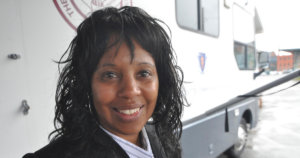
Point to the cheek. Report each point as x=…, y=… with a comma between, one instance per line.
x=102, y=95
x=152, y=94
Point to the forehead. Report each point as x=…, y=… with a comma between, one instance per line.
x=122, y=53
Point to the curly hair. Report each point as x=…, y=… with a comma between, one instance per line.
x=75, y=112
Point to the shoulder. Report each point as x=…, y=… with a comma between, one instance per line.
x=96, y=145
x=63, y=148
x=55, y=148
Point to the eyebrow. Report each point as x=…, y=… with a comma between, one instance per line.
x=113, y=65
x=146, y=63
x=107, y=65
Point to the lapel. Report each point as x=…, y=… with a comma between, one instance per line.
x=111, y=147
x=156, y=146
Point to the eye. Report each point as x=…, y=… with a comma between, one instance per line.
x=108, y=75
x=145, y=73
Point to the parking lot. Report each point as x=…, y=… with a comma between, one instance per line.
x=277, y=134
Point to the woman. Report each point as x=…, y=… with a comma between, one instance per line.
x=120, y=92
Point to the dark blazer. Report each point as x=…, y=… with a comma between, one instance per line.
x=100, y=145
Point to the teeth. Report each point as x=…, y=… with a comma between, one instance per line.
x=129, y=111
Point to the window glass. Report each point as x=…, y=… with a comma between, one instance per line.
x=210, y=17
x=186, y=14
x=239, y=53
x=198, y=15
x=245, y=56
x=251, y=58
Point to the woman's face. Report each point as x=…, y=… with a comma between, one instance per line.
x=125, y=90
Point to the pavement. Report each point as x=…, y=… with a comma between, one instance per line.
x=277, y=134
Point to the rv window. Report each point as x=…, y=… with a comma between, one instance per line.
x=239, y=52
x=243, y=35
x=251, y=58
x=198, y=15
x=245, y=56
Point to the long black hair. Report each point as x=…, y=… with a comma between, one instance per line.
x=75, y=113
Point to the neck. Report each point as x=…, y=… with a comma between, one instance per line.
x=133, y=138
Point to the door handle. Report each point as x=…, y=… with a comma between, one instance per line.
x=25, y=107
x=14, y=56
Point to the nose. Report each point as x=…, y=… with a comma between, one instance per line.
x=129, y=87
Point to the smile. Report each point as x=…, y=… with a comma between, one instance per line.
x=128, y=114
x=129, y=111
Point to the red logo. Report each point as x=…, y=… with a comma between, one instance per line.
x=202, y=61
x=75, y=11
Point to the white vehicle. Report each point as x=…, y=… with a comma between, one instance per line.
x=215, y=45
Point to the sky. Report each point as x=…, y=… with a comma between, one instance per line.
x=281, y=23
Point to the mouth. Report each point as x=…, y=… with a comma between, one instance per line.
x=129, y=113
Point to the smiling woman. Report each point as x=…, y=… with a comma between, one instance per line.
x=125, y=91
x=119, y=74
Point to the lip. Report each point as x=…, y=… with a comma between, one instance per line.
x=128, y=114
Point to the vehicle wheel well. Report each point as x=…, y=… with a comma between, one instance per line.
x=248, y=116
